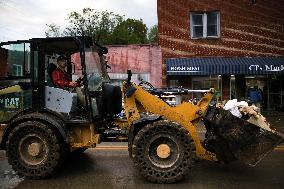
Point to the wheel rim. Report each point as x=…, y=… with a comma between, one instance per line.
x=33, y=149
x=163, y=151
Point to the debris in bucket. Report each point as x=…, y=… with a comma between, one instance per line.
x=247, y=139
x=249, y=113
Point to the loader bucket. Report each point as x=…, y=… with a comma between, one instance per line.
x=233, y=138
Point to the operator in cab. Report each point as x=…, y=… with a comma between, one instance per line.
x=62, y=79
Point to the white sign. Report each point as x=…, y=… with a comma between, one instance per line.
x=184, y=69
x=268, y=68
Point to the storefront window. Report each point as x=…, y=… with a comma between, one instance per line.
x=275, y=93
x=272, y=88
x=204, y=83
x=173, y=83
x=233, y=87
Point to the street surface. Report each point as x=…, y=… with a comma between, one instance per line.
x=108, y=166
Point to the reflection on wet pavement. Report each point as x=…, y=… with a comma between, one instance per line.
x=9, y=179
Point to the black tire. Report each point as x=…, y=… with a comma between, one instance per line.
x=35, y=150
x=78, y=151
x=150, y=163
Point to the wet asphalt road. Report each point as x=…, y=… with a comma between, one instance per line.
x=110, y=167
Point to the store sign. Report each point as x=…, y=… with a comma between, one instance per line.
x=228, y=66
x=268, y=68
x=184, y=69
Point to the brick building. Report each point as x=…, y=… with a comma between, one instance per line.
x=230, y=45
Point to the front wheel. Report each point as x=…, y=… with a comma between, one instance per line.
x=79, y=151
x=163, y=152
x=34, y=150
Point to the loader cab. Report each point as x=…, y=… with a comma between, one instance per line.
x=27, y=85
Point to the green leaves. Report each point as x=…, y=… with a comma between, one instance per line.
x=153, y=34
x=52, y=31
x=130, y=31
x=105, y=27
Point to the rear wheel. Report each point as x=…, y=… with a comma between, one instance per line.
x=163, y=152
x=34, y=150
x=79, y=151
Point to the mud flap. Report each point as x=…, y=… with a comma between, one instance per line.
x=233, y=138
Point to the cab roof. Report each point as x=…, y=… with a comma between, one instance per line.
x=61, y=44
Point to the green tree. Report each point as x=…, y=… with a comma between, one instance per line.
x=52, y=30
x=104, y=27
x=130, y=31
x=153, y=34
x=98, y=25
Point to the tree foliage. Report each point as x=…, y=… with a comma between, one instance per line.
x=153, y=34
x=130, y=31
x=52, y=31
x=98, y=25
x=104, y=27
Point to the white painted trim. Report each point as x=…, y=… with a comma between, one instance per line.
x=204, y=24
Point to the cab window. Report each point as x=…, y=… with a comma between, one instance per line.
x=15, y=60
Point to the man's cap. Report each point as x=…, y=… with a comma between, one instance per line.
x=61, y=57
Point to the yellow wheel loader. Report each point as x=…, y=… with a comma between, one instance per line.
x=163, y=140
x=40, y=123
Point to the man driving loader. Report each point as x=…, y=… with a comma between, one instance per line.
x=60, y=78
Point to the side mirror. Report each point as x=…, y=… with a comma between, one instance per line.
x=104, y=50
x=129, y=75
x=108, y=66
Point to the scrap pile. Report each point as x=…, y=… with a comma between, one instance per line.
x=238, y=131
x=249, y=113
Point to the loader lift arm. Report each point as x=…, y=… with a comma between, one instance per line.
x=188, y=115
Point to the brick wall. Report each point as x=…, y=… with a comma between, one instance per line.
x=246, y=29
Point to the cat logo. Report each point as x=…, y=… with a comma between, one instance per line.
x=10, y=103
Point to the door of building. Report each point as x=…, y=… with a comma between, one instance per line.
x=275, y=91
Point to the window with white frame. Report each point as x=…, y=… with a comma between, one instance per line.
x=205, y=25
x=17, y=70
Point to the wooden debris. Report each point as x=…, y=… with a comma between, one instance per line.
x=253, y=112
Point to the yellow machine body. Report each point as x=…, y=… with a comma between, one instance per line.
x=84, y=136
x=186, y=114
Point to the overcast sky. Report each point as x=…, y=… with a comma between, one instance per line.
x=24, y=19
